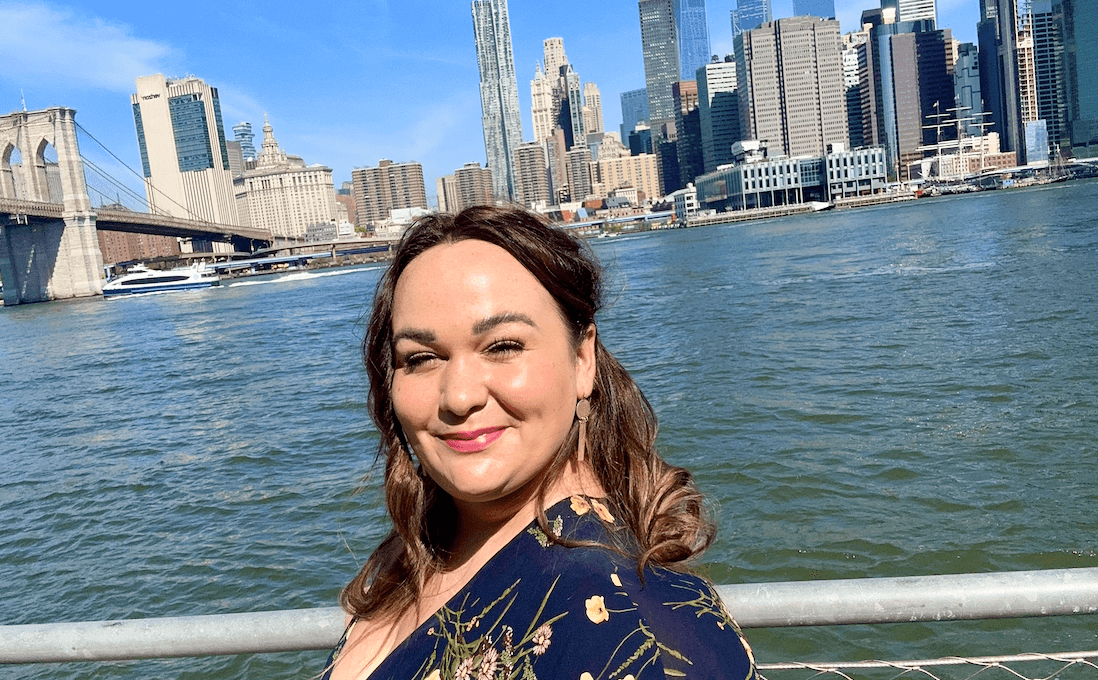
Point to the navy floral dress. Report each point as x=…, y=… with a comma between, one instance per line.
x=541, y=610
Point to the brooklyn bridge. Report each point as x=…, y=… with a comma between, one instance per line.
x=48, y=244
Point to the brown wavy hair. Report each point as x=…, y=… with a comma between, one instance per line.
x=657, y=502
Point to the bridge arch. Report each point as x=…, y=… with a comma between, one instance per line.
x=11, y=162
x=54, y=254
x=47, y=172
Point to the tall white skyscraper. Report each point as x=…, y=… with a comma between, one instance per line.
x=547, y=90
x=719, y=108
x=555, y=57
x=544, y=104
x=575, y=133
x=592, y=108
x=184, y=156
x=498, y=92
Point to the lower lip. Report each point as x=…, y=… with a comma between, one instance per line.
x=474, y=445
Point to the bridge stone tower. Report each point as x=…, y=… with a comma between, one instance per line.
x=55, y=257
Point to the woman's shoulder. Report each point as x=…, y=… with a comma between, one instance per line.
x=666, y=618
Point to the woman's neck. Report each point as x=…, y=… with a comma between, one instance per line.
x=484, y=528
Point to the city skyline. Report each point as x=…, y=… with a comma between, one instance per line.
x=329, y=77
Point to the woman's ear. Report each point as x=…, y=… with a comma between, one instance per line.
x=585, y=363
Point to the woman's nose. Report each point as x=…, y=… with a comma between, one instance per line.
x=463, y=389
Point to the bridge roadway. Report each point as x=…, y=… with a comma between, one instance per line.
x=109, y=219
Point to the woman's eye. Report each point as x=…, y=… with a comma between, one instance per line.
x=505, y=348
x=417, y=360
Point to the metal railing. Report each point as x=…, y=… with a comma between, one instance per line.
x=1020, y=594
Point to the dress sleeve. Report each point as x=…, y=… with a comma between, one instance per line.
x=671, y=626
x=687, y=616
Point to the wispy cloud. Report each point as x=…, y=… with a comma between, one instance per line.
x=237, y=104
x=61, y=46
x=435, y=135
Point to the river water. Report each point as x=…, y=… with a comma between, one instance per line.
x=901, y=390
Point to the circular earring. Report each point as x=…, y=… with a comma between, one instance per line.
x=583, y=411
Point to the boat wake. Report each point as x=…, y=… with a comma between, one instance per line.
x=297, y=276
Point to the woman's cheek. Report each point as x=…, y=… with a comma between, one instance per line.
x=411, y=398
x=519, y=384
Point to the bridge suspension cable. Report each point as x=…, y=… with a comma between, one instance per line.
x=115, y=187
x=136, y=174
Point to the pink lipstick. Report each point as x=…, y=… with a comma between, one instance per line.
x=474, y=441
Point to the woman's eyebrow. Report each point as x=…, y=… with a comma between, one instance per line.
x=484, y=325
x=415, y=335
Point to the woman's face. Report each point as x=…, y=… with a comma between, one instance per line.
x=486, y=376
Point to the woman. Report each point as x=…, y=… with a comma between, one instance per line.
x=536, y=532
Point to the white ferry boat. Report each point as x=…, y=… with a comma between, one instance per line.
x=141, y=279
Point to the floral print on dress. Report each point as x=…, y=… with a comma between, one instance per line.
x=596, y=609
x=539, y=609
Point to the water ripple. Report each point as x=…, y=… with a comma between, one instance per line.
x=892, y=391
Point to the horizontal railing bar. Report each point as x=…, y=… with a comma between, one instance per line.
x=908, y=599
x=289, y=630
x=1020, y=594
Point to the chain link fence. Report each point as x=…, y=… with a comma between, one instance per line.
x=1065, y=666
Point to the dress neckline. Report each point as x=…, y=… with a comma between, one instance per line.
x=574, y=506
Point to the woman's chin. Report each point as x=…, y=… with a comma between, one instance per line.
x=493, y=497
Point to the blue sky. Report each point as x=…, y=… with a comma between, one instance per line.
x=344, y=84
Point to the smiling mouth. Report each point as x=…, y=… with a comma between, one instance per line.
x=472, y=442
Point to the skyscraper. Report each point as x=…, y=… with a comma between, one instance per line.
x=693, y=31
x=966, y=89
x=553, y=51
x=907, y=87
x=571, y=110
x=922, y=90
x=547, y=90
x=578, y=164
x=1048, y=57
x=688, y=145
x=184, y=156
x=592, y=108
x=825, y=9
x=242, y=133
x=998, y=36
x=542, y=114
x=1027, y=75
x=853, y=47
x=915, y=10
x=660, y=47
x=449, y=198
x=498, y=91
x=790, y=82
x=474, y=185
x=1079, y=19
x=634, y=109
x=750, y=14
x=469, y=185
x=380, y=190
x=720, y=112
x=532, y=171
